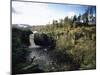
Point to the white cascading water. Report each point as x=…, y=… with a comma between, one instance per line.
x=32, y=44
x=37, y=51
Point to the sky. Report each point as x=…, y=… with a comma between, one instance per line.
x=43, y=13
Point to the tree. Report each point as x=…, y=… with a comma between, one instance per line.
x=79, y=17
x=61, y=23
x=85, y=16
x=74, y=18
x=88, y=15
x=55, y=22
x=92, y=12
x=67, y=21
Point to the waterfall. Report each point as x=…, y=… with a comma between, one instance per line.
x=32, y=43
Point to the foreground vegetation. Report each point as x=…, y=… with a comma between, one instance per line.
x=77, y=42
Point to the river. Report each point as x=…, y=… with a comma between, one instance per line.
x=43, y=57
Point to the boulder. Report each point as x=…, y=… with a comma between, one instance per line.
x=44, y=40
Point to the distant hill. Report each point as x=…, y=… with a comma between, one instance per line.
x=21, y=26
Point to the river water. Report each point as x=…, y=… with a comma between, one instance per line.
x=42, y=56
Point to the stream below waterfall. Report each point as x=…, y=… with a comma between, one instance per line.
x=43, y=56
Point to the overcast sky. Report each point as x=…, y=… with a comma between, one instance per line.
x=42, y=13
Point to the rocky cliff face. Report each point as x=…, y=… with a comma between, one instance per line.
x=44, y=40
x=20, y=37
x=20, y=44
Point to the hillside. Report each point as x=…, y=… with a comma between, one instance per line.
x=79, y=42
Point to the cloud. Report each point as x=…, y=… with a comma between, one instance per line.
x=34, y=13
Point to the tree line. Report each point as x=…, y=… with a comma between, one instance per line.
x=88, y=18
